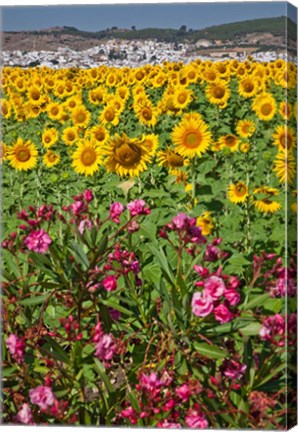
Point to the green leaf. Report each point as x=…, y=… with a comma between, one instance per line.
x=35, y=300
x=54, y=349
x=99, y=367
x=116, y=306
x=255, y=301
x=163, y=262
x=210, y=351
x=236, y=263
x=79, y=254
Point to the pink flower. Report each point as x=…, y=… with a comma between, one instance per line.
x=196, y=420
x=116, y=210
x=16, y=347
x=273, y=329
x=215, y=287
x=183, y=392
x=110, y=283
x=77, y=207
x=151, y=383
x=88, y=195
x=233, y=369
x=25, y=415
x=232, y=296
x=202, y=304
x=212, y=253
x=86, y=223
x=38, y=241
x=202, y=271
x=42, y=396
x=222, y=314
x=137, y=207
x=105, y=348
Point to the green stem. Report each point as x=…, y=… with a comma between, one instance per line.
x=194, y=184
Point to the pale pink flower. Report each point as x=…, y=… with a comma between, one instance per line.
x=105, y=348
x=16, y=347
x=42, y=396
x=202, y=304
x=196, y=420
x=215, y=287
x=38, y=241
x=222, y=314
x=137, y=207
x=168, y=425
x=116, y=210
x=86, y=223
x=25, y=415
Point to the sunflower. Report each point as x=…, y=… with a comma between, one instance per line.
x=229, y=141
x=285, y=110
x=35, y=96
x=249, y=87
x=244, y=147
x=182, y=97
x=210, y=74
x=81, y=116
x=109, y=115
x=245, y=128
x=284, y=137
x=2, y=152
x=206, y=223
x=55, y=111
x=99, y=134
x=97, y=95
x=22, y=155
x=150, y=142
x=72, y=102
x=191, y=136
x=86, y=158
x=237, y=193
x=170, y=159
x=285, y=166
x=70, y=135
x=49, y=137
x=218, y=93
x=126, y=157
x=5, y=108
x=266, y=205
x=50, y=159
x=264, y=106
x=146, y=114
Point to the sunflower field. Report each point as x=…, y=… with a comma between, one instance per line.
x=149, y=245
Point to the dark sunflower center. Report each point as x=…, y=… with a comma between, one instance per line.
x=47, y=139
x=182, y=98
x=248, y=86
x=192, y=139
x=54, y=110
x=174, y=159
x=81, y=117
x=218, y=92
x=35, y=95
x=99, y=135
x=147, y=114
x=128, y=155
x=23, y=155
x=109, y=115
x=88, y=157
x=70, y=136
x=241, y=189
x=266, y=109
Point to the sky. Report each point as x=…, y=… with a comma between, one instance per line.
x=95, y=17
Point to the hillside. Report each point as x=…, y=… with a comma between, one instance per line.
x=51, y=39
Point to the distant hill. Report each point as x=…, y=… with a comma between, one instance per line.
x=238, y=33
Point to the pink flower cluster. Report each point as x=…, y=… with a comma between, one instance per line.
x=120, y=262
x=186, y=229
x=135, y=208
x=273, y=330
x=79, y=211
x=218, y=295
x=38, y=241
x=16, y=347
x=105, y=345
x=233, y=369
x=42, y=396
x=159, y=397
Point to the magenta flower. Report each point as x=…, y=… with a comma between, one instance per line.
x=88, y=195
x=273, y=329
x=42, y=396
x=215, y=287
x=25, y=415
x=38, y=241
x=110, y=283
x=196, y=420
x=202, y=304
x=222, y=314
x=168, y=425
x=16, y=347
x=232, y=296
x=233, y=369
x=183, y=392
x=105, y=348
x=137, y=207
x=116, y=210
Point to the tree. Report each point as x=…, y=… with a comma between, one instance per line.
x=183, y=28
x=133, y=28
